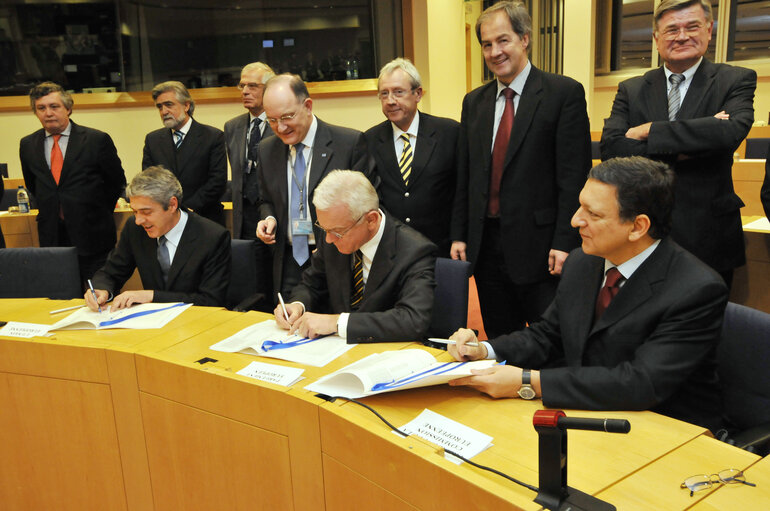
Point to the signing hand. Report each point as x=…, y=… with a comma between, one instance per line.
x=461, y=351
x=294, y=310
x=312, y=325
x=129, y=298
x=101, y=299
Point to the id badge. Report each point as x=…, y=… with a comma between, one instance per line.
x=301, y=227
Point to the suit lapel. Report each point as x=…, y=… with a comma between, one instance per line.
x=387, y=151
x=322, y=154
x=383, y=259
x=656, y=96
x=530, y=99
x=38, y=159
x=150, y=247
x=701, y=82
x=579, y=317
x=75, y=144
x=238, y=141
x=185, y=249
x=188, y=148
x=425, y=146
x=484, y=126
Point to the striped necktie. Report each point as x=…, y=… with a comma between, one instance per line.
x=357, y=281
x=178, y=136
x=405, y=164
x=674, y=100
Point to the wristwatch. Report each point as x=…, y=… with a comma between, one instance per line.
x=526, y=391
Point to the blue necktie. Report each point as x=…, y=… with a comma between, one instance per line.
x=300, y=246
x=163, y=258
x=178, y=136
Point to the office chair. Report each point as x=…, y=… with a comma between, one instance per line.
x=450, y=307
x=596, y=150
x=742, y=357
x=40, y=272
x=757, y=148
x=243, y=276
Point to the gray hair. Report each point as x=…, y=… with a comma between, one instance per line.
x=348, y=187
x=267, y=71
x=295, y=82
x=178, y=88
x=45, y=88
x=406, y=66
x=158, y=184
x=517, y=14
x=677, y=5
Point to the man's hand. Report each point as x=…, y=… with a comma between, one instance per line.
x=311, y=325
x=266, y=230
x=101, y=298
x=497, y=381
x=640, y=132
x=294, y=310
x=457, y=250
x=722, y=115
x=129, y=298
x=556, y=260
x=461, y=351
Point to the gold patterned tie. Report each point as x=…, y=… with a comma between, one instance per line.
x=405, y=164
x=357, y=281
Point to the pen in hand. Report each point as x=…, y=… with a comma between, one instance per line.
x=91, y=287
x=449, y=341
x=283, y=307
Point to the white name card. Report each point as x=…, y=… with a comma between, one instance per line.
x=25, y=330
x=271, y=373
x=448, y=434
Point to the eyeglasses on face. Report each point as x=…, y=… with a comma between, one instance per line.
x=397, y=93
x=339, y=235
x=250, y=85
x=284, y=118
x=704, y=482
x=690, y=30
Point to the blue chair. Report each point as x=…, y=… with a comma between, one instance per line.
x=40, y=272
x=450, y=306
x=743, y=356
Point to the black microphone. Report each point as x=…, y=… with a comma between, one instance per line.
x=607, y=425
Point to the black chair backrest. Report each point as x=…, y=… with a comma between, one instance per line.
x=243, y=276
x=743, y=356
x=450, y=307
x=596, y=151
x=757, y=148
x=40, y=272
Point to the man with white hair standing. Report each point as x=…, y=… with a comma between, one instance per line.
x=373, y=273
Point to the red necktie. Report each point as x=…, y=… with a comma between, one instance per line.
x=608, y=292
x=57, y=159
x=498, y=153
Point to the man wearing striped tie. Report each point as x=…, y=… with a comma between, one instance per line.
x=691, y=114
x=372, y=274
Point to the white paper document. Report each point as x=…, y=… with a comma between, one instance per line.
x=145, y=315
x=271, y=373
x=266, y=339
x=24, y=330
x=761, y=224
x=392, y=370
x=449, y=434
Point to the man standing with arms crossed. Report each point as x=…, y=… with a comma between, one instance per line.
x=524, y=153
x=691, y=114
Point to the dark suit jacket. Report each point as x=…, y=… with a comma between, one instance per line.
x=2, y=191
x=765, y=192
x=653, y=348
x=235, y=139
x=707, y=218
x=546, y=165
x=334, y=148
x=199, y=273
x=398, y=297
x=199, y=164
x=426, y=204
x=91, y=181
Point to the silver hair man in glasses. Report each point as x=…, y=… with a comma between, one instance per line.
x=691, y=114
x=373, y=273
x=291, y=165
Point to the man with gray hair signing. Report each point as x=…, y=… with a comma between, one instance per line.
x=373, y=273
x=181, y=256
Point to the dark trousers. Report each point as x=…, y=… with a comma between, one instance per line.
x=87, y=263
x=506, y=306
x=292, y=272
x=264, y=255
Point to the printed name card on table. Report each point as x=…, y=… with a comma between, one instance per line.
x=271, y=373
x=24, y=330
x=449, y=434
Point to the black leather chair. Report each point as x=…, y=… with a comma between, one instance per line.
x=743, y=358
x=243, y=274
x=757, y=148
x=596, y=150
x=40, y=272
x=450, y=307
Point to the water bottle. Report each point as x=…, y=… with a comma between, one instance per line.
x=22, y=197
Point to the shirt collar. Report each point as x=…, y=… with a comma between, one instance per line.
x=310, y=137
x=262, y=117
x=175, y=234
x=518, y=83
x=687, y=74
x=65, y=133
x=411, y=130
x=629, y=267
x=369, y=249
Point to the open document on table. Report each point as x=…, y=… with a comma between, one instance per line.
x=393, y=370
x=266, y=339
x=145, y=315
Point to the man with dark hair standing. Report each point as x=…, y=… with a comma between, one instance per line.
x=524, y=152
x=194, y=152
x=291, y=165
x=181, y=257
x=415, y=155
x=242, y=135
x=691, y=114
x=636, y=318
x=75, y=174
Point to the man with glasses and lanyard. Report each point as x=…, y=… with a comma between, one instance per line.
x=373, y=274
x=291, y=165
